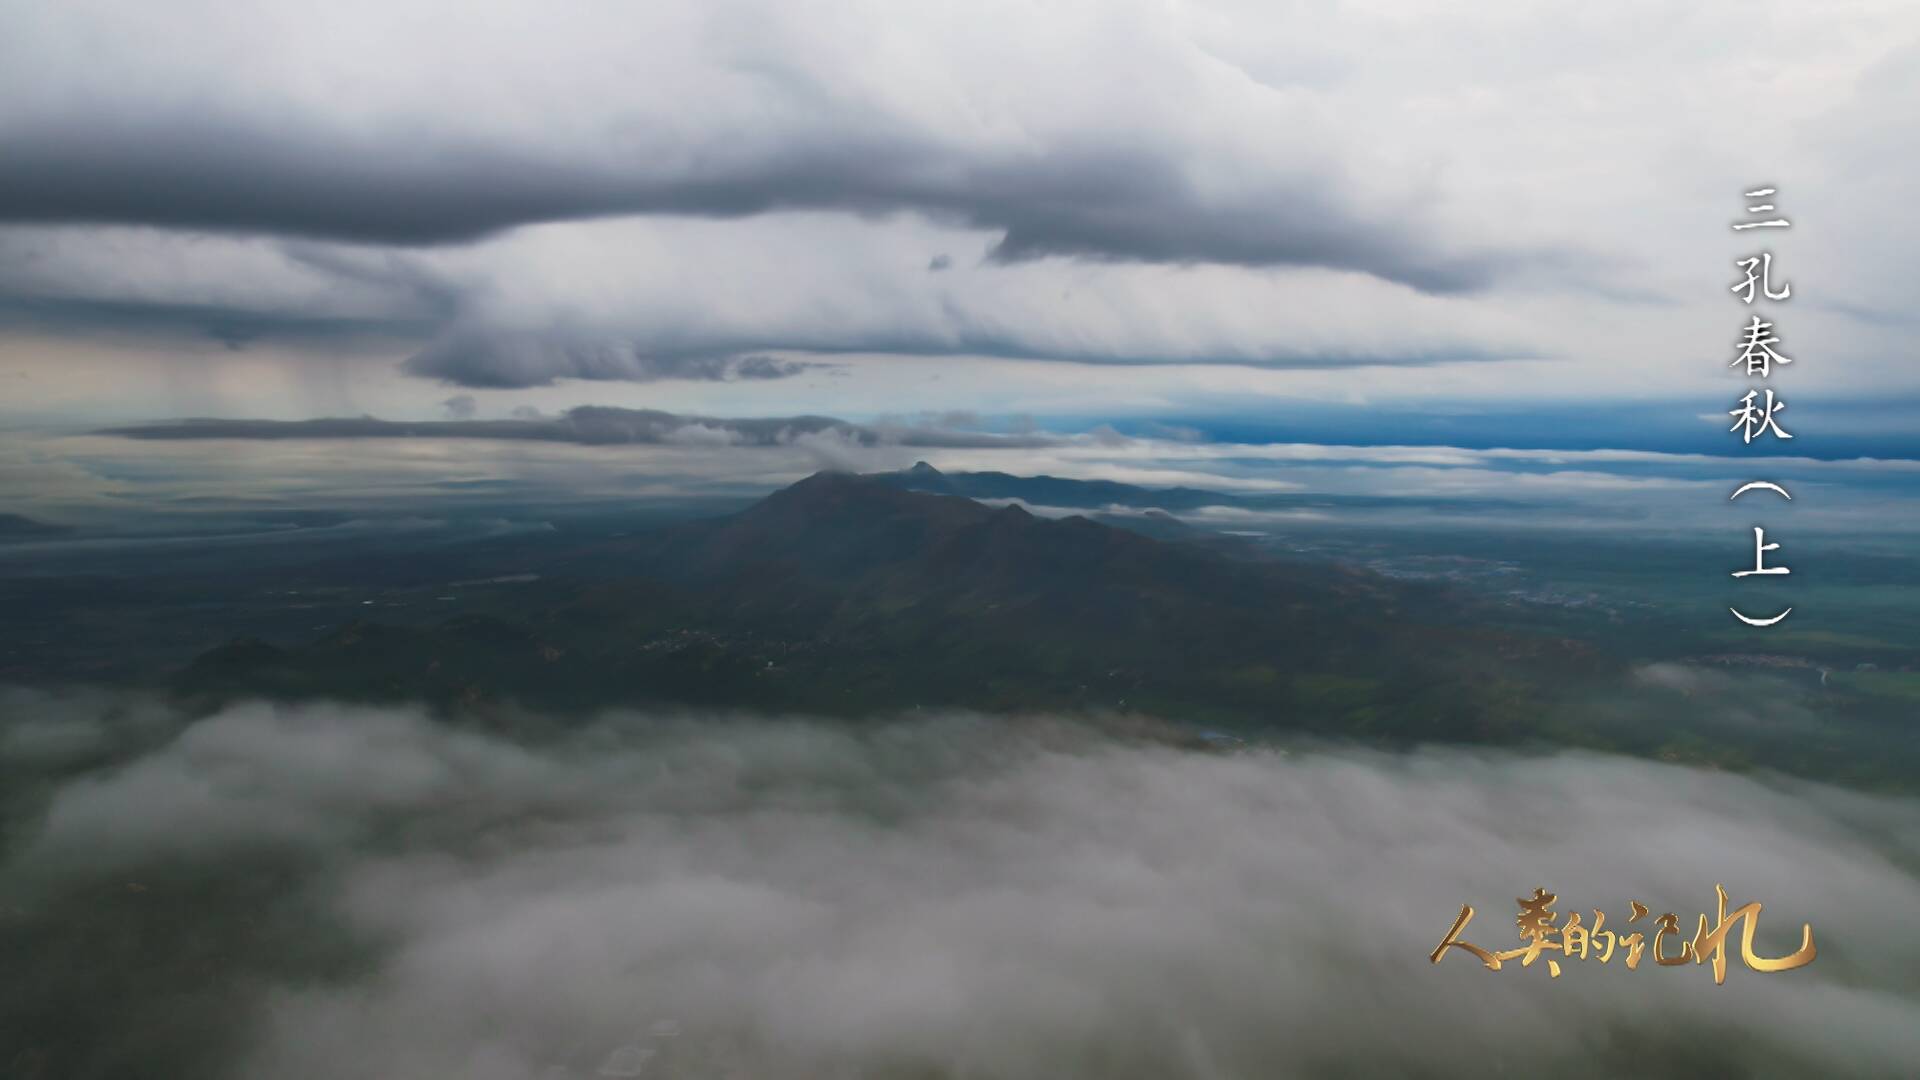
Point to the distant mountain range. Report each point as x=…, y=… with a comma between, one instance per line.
x=1095, y=495
x=14, y=526
x=849, y=594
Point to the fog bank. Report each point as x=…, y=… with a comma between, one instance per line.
x=366, y=892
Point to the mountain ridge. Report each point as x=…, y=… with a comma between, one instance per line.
x=848, y=594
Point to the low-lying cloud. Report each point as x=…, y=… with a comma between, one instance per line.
x=518, y=360
x=944, y=896
x=596, y=425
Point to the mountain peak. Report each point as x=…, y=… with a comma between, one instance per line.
x=921, y=468
x=823, y=479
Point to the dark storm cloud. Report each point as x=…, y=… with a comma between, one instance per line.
x=1127, y=203
x=412, y=301
x=1101, y=201
x=232, y=326
x=501, y=325
x=500, y=359
x=195, y=173
x=592, y=425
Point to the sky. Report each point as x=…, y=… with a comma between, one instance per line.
x=1062, y=215
x=437, y=269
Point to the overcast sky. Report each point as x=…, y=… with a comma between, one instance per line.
x=1073, y=209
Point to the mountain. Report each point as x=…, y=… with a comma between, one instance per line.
x=1122, y=506
x=1052, y=490
x=849, y=594
x=1094, y=495
x=17, y=526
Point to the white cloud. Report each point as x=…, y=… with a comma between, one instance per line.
x=1021, y=898
x=796, y=171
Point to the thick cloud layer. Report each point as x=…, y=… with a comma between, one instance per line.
x=938, y=897
x=650, y=299
x=504, y=196
x=1112, y=201
x=594, y=425
x=1107, y=168
x=469, y=358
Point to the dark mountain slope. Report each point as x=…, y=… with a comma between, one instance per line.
x=1095, y=495
x=848, y=594
x=15, y=526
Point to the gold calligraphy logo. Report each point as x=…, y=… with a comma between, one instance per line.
x=1540, y=930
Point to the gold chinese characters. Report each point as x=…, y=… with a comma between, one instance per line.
x=1573, y=941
